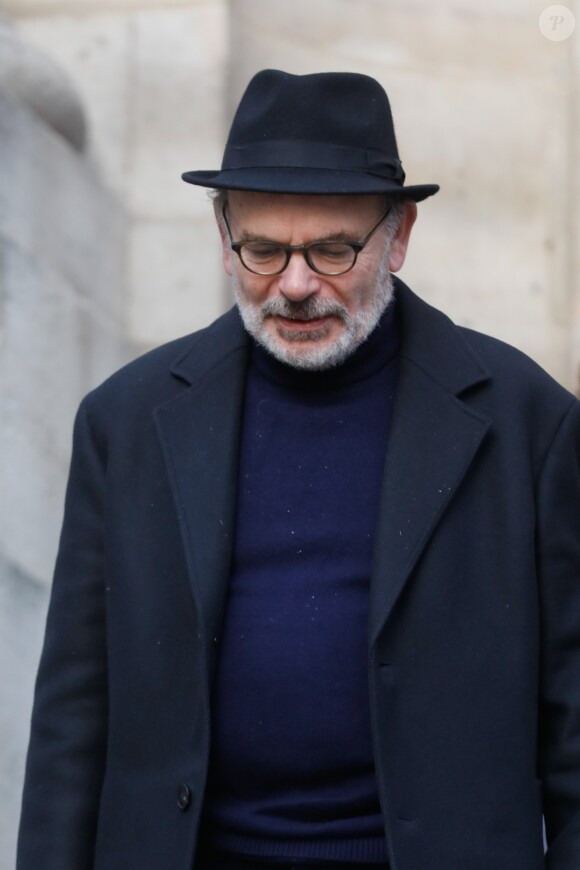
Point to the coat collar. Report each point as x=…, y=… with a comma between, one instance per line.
x=434, y=344
x=211, y=347
x=434, y=438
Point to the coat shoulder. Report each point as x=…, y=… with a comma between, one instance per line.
x=158, y=374
x=470, y=363
x=513, y=371
x=521, y=398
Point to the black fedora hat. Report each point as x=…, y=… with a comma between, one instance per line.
x=324, y=133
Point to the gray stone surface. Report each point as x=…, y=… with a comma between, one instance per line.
x=23, y=604
x=32, y=78
x=54, y=207
x=153, y=78
x=62, y=280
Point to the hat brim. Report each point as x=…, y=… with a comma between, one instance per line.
x=306, y=181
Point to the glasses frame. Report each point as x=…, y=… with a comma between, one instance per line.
x=357, y=247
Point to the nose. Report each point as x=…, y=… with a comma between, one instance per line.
x=298, y=280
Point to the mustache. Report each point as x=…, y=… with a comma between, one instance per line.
x=310, y=308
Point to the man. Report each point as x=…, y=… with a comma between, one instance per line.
x=317, y=600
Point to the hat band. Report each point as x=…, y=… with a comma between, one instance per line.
x=302, y=154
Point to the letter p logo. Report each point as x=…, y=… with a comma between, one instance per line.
x=557, y=23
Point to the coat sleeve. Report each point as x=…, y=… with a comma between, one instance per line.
x=558, y=537
x=66, y=755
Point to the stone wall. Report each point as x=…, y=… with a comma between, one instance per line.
x=61, y=332
x=152, y=79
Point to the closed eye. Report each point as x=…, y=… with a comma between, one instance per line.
x=262, y=250
x=331, y=252
x=331, y=249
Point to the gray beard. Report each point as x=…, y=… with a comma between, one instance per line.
x=308, y=355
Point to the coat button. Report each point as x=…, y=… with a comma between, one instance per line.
x=183, y=797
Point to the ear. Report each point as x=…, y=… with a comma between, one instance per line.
x=400, y=241
x=227, y=253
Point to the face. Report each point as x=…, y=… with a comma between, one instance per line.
x=305, y=319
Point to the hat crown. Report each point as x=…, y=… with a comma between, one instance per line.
x=343, y=109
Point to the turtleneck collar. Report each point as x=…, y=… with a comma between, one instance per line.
x=371, y=356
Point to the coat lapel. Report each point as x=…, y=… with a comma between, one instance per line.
x=434, y=438
x=199, y=432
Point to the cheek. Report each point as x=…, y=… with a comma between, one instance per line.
x=363, y=292
x=351, y=296
x=255, y=289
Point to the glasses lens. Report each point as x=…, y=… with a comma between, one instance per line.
x=263, y=257
x=331, y=258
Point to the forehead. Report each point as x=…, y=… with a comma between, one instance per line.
x=314, y=216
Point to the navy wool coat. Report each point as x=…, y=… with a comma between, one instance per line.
x=474, y=610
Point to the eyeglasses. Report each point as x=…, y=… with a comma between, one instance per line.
x=326, y=258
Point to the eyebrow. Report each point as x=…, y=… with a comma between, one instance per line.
x=340, y=236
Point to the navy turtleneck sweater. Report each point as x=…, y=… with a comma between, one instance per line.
x=292, y=773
